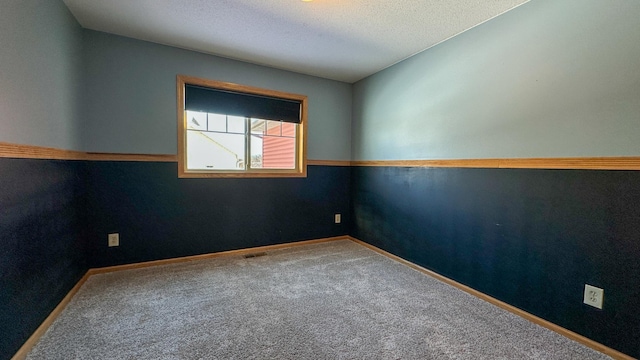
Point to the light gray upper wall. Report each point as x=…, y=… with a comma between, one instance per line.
x=547, y=79
x=129, y=103
x=40, y=61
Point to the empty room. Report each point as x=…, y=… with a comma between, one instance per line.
x=319, y=179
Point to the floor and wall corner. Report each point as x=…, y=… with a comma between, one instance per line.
x=546, y=80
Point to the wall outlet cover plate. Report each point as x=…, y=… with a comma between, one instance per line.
x=593, y=296
x=114, y=240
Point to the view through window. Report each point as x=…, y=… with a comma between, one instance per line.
x=220, y=134
x=224, y=142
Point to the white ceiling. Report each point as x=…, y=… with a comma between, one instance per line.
x=344, y=40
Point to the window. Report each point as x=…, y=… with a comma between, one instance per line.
x=230, y=130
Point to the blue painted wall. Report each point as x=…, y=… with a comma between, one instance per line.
x=129, y=106
x=160, y=216
x=41, y=202
x=548, y=79
x=129, y=103
x=77, y=89
x=40, y=62
x=531, y=238
x=42, y=236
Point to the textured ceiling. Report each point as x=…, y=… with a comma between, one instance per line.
x=335, y=39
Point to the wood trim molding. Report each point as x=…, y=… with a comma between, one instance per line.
x=577, y=163
x=130, y=157
x=300, y=169
x=211, y=255
x=329, y=162
x=18, y=151
x=8, y=150
x=534, y=319
x=33, y=339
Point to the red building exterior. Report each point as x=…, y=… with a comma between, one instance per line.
x=279, y=146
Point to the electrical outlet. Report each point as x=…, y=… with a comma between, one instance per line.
x=593, y=296
x=338, y=218
x=114, y=240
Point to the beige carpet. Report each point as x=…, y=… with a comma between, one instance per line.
x=336, y=300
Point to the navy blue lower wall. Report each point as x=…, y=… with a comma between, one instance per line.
x=160, y=216
x=42, y=254
x=531, y=238
x=55, y=217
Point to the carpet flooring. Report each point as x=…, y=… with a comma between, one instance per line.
x=335, y=300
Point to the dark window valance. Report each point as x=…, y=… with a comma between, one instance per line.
x=219, y=101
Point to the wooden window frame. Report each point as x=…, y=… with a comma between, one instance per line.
x=301, y=134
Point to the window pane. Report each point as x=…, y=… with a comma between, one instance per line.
x=274, y=127
x=278, y=152
x=228, y=142
x=196, y=120
x=289, y=129
x=258, y=126
x=217, y=122
x=256, y=152
x=215, y=151
x=236, y=124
